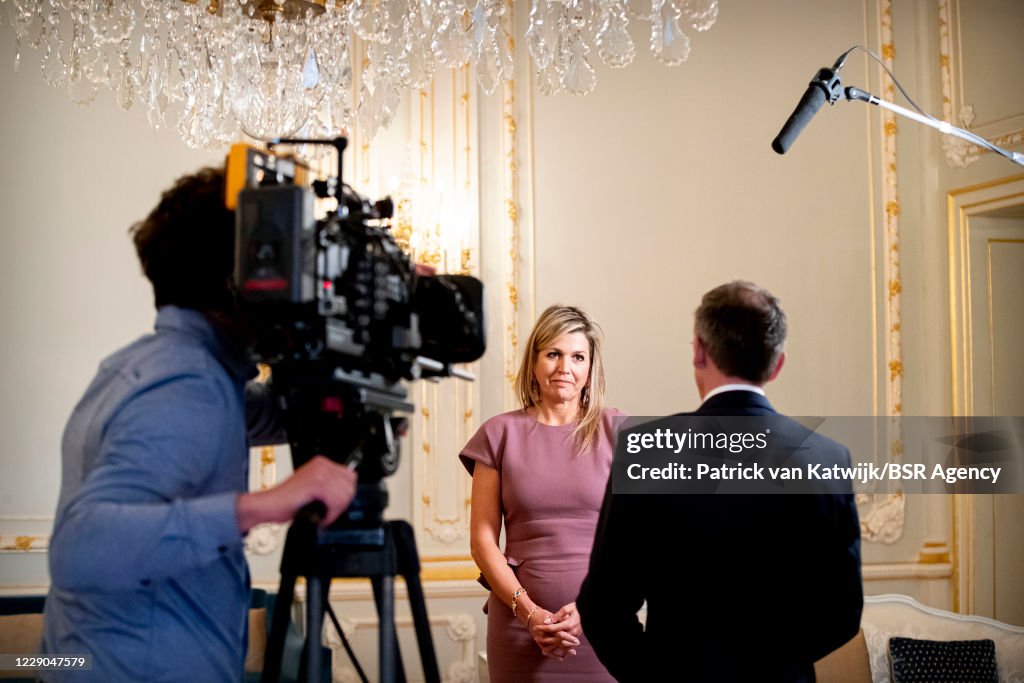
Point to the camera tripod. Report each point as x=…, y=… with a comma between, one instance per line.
x=379, y=553
x=349, y=419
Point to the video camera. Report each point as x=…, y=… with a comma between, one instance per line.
x=340, y=314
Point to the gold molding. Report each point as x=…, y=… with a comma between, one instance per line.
x=25, y=533
x=267, y=468
x=882, y=519
x=989, y=184
x=954, y=509
x=891, y=239
x=517, y=205
x=449, y=573
x=449, y=568
x=510, y=152
x=985, y=202
x=934, y=552
x=24, y=543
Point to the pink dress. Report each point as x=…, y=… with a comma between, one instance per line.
x=550, y=497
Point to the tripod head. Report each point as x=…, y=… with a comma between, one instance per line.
x=349, y=418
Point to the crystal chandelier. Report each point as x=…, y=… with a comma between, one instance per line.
x=275, y=68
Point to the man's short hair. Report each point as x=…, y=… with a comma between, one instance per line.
x=743, y=329
x=186, y=244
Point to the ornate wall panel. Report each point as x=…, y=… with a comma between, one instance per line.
x=457, y=639
x=445, y=223
x=975, y=526
x=516, y=258
x=448, y=149
x=981, y=46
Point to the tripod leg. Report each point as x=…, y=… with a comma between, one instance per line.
x=391, y=669
x=278, y=630
x=314, y=625
x=326, y=665
x=409, y=567
x=424, y=640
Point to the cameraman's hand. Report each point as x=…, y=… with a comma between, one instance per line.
x=319, y=479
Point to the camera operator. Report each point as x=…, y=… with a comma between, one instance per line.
x=146, y=563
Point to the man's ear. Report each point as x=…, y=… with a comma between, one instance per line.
x=778, y=366
x=700, y=354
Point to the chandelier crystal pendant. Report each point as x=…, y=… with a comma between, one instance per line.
x=278, y=68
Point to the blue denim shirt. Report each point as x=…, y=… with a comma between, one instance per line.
x=146, y=564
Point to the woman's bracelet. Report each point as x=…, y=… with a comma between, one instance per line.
x=515, y=597
x=529, y=615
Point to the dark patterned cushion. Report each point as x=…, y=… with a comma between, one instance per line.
x=937, y=661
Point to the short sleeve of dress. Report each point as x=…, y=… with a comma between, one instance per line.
x=613, y=420
x=485, y=446
x=614, y=416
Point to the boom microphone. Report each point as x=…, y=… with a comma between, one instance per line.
x=823, y=87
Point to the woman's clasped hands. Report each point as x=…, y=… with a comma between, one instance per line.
x=556, y=634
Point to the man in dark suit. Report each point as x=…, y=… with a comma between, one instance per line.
x=738, y=587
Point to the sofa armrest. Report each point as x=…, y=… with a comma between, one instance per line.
x=886, y=616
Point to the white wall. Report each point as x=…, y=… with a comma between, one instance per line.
x=662, y=185
x=73, y=180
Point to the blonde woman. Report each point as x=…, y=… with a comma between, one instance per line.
x=541, y=471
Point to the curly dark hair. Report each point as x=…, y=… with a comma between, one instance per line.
x=186, y=244
x=743, y=328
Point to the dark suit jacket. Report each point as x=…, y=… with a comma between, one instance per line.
x=738, y=587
